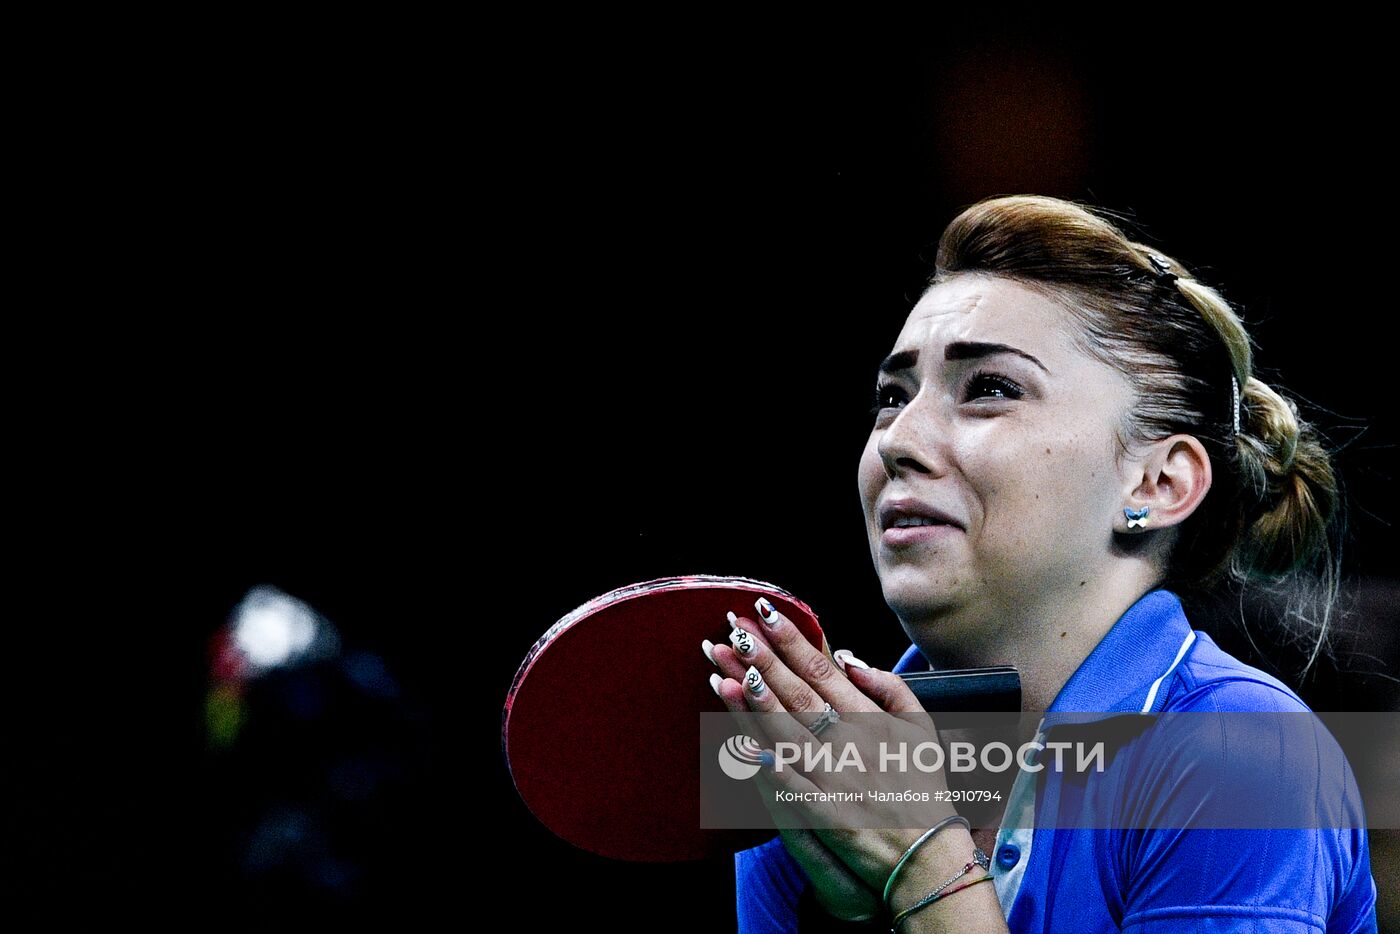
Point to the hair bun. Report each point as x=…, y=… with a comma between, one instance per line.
x=1273, y=420
x=1285, y=464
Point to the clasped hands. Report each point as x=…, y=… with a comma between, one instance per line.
x=847, y=845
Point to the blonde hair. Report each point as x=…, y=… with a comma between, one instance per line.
x=1272, y=512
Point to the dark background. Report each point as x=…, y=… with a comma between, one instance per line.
x=447, y=338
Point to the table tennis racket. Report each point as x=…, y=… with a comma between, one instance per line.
x=600, y=728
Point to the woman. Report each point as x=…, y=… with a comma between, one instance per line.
x=1066, y=436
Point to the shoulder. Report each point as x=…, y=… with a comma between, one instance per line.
x=1275, y=791
x=1229, y=727
x=1209, y=678
x=1238, y=743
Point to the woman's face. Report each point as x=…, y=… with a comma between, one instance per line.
x=989, y=415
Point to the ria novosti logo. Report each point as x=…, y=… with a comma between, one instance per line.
x=741, y=757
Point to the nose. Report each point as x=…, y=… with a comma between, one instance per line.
x=915, y=440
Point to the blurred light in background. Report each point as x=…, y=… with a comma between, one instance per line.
x=271, y=628
x=318, y=764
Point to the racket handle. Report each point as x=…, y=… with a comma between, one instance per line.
x=991, y=690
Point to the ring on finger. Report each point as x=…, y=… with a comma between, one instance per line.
x=828, y=717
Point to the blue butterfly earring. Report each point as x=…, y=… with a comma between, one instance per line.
x=1137, y=518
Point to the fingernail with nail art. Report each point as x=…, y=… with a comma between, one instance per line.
x=844, y=657
x=754, y=681
x=765, y=609
x=743, y=641
x=733, y=620
x=708, y=648
x=715, y=681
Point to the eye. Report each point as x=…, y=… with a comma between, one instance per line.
x=887, y=395
x=999, y=386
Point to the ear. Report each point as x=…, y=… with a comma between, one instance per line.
x=1171, y=480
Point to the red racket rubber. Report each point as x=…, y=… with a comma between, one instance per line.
x=601, y=731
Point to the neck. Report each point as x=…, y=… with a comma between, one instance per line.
x=1046, y=639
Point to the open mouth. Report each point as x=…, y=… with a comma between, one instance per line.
x=913, y=531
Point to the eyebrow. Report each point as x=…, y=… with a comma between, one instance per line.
x=958, y=350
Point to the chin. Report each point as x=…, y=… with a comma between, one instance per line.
x=913, y=591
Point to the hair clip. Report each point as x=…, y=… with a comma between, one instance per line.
x=1163, y=268
x=1235, y=402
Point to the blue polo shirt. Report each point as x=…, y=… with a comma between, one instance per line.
x=1154, y=881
